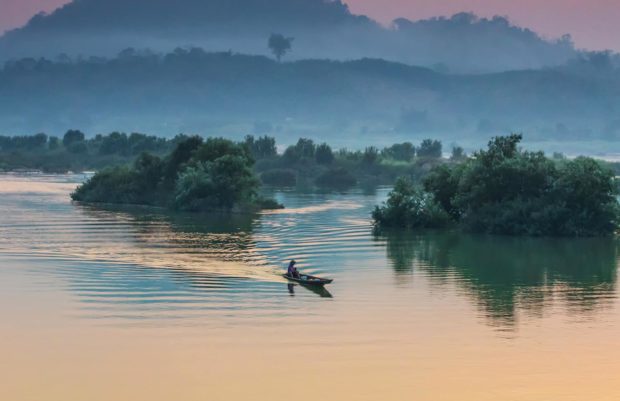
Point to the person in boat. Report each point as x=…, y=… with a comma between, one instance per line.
x=292, y=270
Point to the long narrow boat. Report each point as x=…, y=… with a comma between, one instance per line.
x=309, y=280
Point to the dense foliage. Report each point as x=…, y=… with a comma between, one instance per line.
x=410, y=207
x=198, y=175
x=75, y=152
x=505, y=190
x=307, y=164
x=304, y=164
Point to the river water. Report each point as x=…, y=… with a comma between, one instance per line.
x=136, y=304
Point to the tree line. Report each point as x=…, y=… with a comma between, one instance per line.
x=305, y=163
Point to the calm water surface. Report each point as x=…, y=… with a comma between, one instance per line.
x=133, y=304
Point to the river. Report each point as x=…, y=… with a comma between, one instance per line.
x=137, y=304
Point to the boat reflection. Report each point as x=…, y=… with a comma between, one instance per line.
x=319, y=290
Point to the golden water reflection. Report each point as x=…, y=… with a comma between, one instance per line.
x=132, y=304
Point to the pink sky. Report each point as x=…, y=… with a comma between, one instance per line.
x=594, y=24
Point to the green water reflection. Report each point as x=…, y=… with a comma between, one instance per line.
x=506, y=274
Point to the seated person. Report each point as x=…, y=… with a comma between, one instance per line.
x=292, y=270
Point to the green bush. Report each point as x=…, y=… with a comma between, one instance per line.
x=261, y=148
x=112, y=185
x=504, y=190
x=400, y=151
x=324, y=154
x=410, y=207
x=216, y=174
x=430, y=148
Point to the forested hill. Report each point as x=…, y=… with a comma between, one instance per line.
x=321, y=28
x=190, y=90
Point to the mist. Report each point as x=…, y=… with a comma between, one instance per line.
x=463, y=43
x=204, y=67
x=367, y=101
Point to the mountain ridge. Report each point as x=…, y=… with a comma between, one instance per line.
x=322, y=29
x=191, y=90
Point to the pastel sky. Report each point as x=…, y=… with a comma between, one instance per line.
x=594, y=24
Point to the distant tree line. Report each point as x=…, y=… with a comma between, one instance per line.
x=76, y=152
x=307, y=163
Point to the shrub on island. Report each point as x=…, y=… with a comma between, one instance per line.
x=505, y=190
x=198, y=175
x=410, y=207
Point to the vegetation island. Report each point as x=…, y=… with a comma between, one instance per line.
x=196, y=176
x=506, y=190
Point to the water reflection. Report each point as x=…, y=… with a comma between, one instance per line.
x=320, y=291
x=143, y=263
x=201, y=240
x=228, y=237
x=508, y=274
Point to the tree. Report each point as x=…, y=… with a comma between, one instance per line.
x=443, y=182
x=291, y=156
x=400, y=151
x=38, y=141
x=324, y=154
x=280, y=45
x=409, y=207
x=262, y=147
x=586, y=193
x=303, y=149
x=115, y=143
x=78, y=147
x=430, y=149
x=505, y=190
x=198, y=176
x=139, y=143
x=370, y=156
x=53, y=143
x=72, y=136
x=458, y=154
x=180, y=155
x=150, y=169
x=219, y=176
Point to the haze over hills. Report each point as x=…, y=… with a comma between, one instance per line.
x=462, y=79
x=367, y=102
x=322, y=29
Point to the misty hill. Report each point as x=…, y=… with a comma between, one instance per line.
x=367, y=100
x=322, y=29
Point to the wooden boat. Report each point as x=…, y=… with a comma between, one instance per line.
x=305, y=279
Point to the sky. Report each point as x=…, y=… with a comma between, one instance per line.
x=594, y=24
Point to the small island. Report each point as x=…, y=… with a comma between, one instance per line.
x=506, y=190
x=197, y=176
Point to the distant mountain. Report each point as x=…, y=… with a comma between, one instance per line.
x=322, y=29
x=350, y=103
